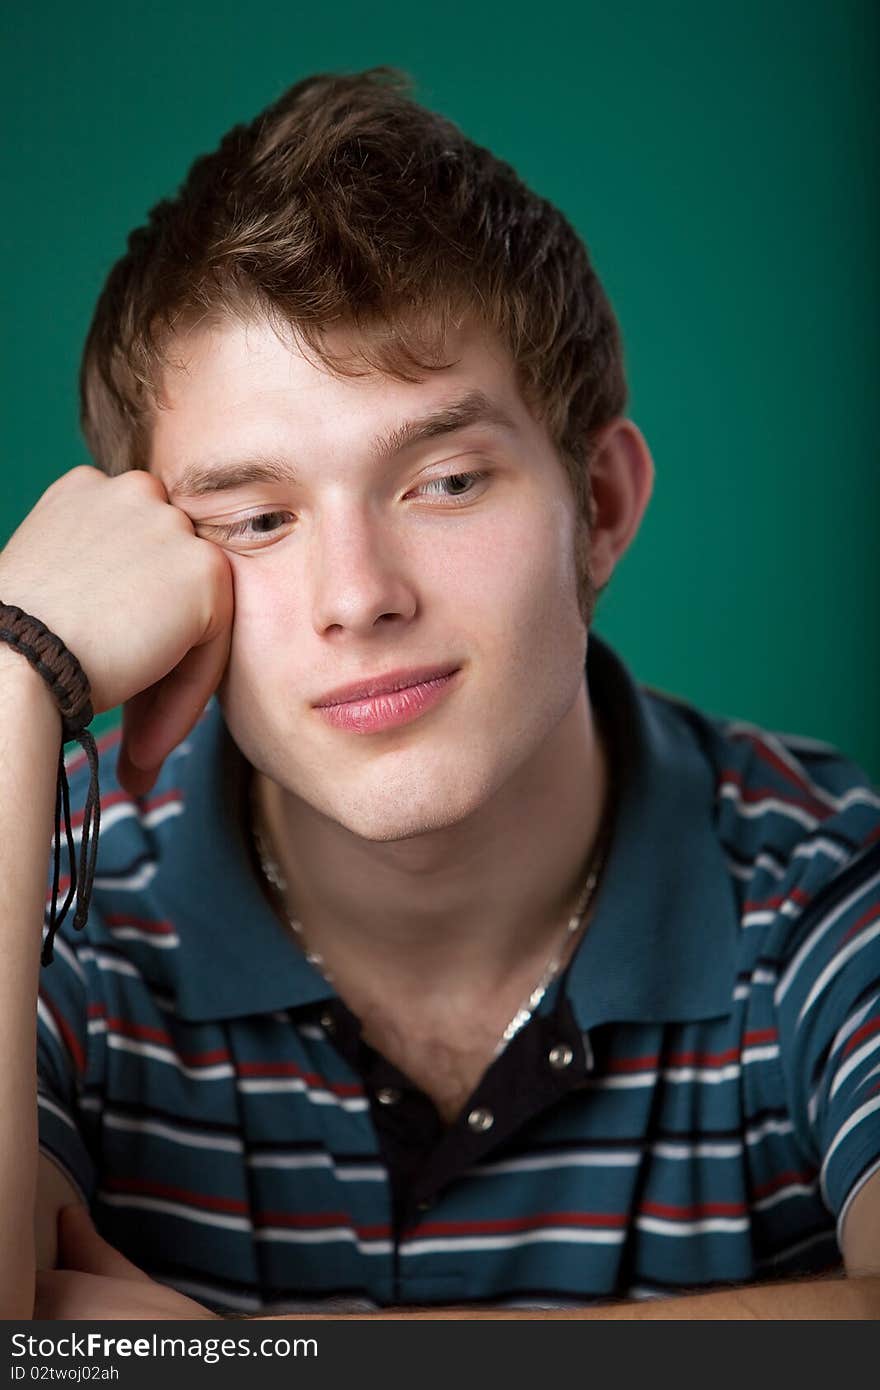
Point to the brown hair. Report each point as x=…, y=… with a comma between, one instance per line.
x=345, y=202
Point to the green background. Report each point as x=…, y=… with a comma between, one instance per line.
x=720, y=160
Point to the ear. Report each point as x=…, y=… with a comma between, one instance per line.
x=621, y=482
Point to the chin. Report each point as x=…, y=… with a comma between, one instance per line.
x=392, y=832
x=406, y=801
x=408, y=793
x=384, y=820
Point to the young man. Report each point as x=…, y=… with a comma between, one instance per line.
x=434, y=962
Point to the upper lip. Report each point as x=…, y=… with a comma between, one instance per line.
x=381, y=685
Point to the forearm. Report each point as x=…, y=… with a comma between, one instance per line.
x=814, y=1299
x=30, y=733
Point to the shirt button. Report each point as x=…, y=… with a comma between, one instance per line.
x=327, y=1023
x=387, y=1095
x=480, y=1120
x=424, y=1206
x=560, y=1057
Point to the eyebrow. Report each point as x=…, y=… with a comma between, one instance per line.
x=474, y=408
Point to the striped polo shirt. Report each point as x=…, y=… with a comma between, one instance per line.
x=694, y=1103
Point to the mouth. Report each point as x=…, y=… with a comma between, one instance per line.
x=401, y=698
x=385, y=684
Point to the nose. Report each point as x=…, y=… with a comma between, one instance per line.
x=359, y=575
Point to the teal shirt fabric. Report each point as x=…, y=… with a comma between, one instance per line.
x=721, y=1105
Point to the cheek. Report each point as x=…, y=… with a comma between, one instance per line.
x=265, y=621
x=524, y=564
x=512, y=592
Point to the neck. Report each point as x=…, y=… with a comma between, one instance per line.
x=467, y=908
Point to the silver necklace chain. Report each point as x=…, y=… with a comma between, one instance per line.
x=575, y=922
x=272, y=873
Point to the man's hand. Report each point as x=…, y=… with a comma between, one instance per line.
x=95, y=1282
x=142, y=602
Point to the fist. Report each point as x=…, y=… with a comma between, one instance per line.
x=142, y=602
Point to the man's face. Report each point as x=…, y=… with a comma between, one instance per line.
x=358, y=557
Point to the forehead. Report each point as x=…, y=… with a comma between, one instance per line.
x=239, y=385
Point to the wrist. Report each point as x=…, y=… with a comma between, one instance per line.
x=53, y=661
x=24, y=689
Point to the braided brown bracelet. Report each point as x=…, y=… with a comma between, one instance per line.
x=71, y=691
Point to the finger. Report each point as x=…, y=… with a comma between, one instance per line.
x=158, y=719
x=81, y=1248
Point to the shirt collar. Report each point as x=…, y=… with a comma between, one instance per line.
x=660, y=945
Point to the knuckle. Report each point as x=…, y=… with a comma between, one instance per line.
x=85, y=472
x=138, y=480
x=83, y=475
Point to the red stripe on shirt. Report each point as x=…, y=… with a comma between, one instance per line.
x=754, y=794
x=142, y=1032
x=317, y=1221
x=783, y=1180
x=630, y=1064
x=866, y=1030
x=797, y=895
x=516, y=1224
x=122, y=919
x=71, y=1041
x=311, y=1078
x=767, y=755
x=693, y=1213
x=866, y=918
x=147, y=1187
x=703, y=1059
x=693, y=1059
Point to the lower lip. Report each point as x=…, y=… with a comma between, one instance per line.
x=390, y=710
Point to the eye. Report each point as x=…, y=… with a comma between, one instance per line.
x=460, y=484
x=257, y=527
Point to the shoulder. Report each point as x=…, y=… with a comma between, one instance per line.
x=791, y=789
x=797, y=823
x=792, y=814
